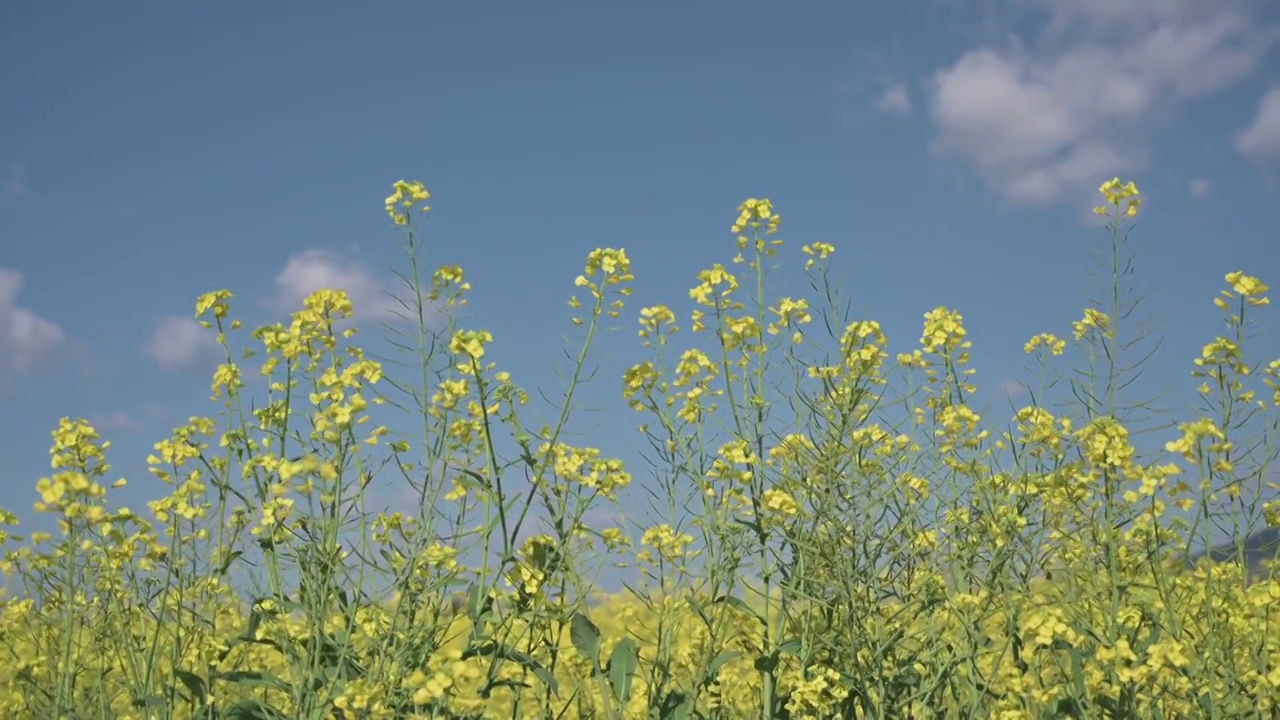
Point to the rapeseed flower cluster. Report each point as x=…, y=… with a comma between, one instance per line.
x=822, y=545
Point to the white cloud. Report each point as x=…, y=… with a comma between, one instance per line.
x=118, y=421
x=1009, y=389
x=180, y=343
x=895, y=99
x=27, y=341
x=14, y=186
x=1261, y=140
x=1039, y=121
x=1199, y=187
x=317, y=269
x=155, y=411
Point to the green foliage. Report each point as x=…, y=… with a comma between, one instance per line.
x=823, y=542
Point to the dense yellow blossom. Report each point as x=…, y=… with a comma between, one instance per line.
x=818, y=543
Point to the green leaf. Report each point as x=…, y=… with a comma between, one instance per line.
x=709, y=675
x=1077, y=672
x=767, y=663
x=742, y=605
x=586, y=638
x=791, y=646
x=251, y=629
x=333, y=656
x=525, y=661
x=1069, y=707
x=479, y=604
x=194, y=684
x=622, y=668
x=253, y=710
x=283, y=605
x=675, y=706
x=254, y=678
x=508, y=684
x=226, y=564
x=699, y=610
x=545, y=557
x=546, y=677
x=389, y=556
x=753, y=525
x=472, y=480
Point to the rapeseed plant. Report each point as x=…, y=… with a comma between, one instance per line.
x=886, y=553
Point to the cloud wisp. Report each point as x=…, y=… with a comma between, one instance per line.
x=178, y=343
x=317, y=269
x=1038, y=119
x=895, y=99
x=1260, y=140
x=28, y=342
x=14, y=187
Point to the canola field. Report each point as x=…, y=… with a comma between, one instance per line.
x=836, y=531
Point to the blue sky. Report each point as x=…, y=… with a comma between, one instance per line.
x=152, y=151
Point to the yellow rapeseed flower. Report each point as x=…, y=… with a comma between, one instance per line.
x=405, y=195
x=1117, y=194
